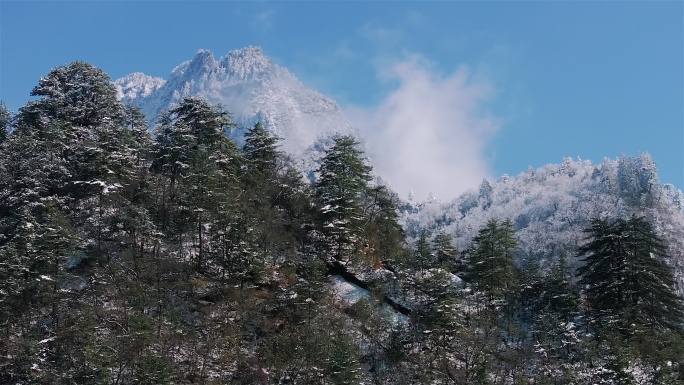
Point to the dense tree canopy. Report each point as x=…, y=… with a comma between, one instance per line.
x=78, y=93
x=180, y=258
x=627, y=283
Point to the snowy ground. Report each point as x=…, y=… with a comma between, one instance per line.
x=348, y=294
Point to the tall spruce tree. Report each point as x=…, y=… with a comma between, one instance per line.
x=343, y=178
x=260, y=174
x=78, y=93
x=201, y=166
x=261, y=150
x=423, y=252
x=626, y=282
x=444, y=251
x=383, y=232
x=79, y=118
x=491, y=264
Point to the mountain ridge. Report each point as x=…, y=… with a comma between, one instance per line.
x=253, y=89
x=552, y=205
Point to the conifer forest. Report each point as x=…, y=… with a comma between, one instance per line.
x=133, y=253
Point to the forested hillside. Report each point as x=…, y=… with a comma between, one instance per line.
x=180, y=257
x=552, y=205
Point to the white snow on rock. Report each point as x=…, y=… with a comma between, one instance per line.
x=347, y=292
x=137, y=85
x=253, y=89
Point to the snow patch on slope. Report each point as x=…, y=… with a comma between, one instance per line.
x=347, y=292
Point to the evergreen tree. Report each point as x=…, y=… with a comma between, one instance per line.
x=201, y=165
x=561, y=295
x=33, y=173
x=423, y=252
x=5, y=122
x=261, y=150
x=485, y=196
x=79, y=93
x=80, y=99
x=344, y=367
x=444, y=251
x=265, y=187
x=491, y=264
x=383, y=232
x=343, y=178
x=32, y=270
x=626, y=282
x=191, y=128
x=142, y=142
x=79, y=119
x=550, y=304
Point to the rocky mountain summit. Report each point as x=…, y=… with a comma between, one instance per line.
x=253, y=89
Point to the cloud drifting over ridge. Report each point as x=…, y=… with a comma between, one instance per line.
x=429, y=134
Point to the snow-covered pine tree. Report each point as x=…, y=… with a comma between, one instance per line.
x=78, y=93
x=491, y=264
x=383, y=233
x=444, y=252
x=343, y=178
x=201, y=165
x=261, y=150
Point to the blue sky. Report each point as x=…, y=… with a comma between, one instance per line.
x=497, y=86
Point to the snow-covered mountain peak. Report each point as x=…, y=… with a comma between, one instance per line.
x=253, y=89
x=244, y=64
x=202, y=64
x=247, y=63
x=137, y=85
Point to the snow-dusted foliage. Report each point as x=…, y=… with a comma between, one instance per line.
x=183, y=258
x=550, y=206
x=252, y=88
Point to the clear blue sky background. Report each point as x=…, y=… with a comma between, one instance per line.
x=566, y=79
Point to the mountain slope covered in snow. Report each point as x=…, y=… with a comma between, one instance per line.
x=552, y=205
x=253, y=89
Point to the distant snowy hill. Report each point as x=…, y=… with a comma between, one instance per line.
x=550, y=206
x=253, y=89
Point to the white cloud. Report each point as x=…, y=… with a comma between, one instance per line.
x=429, y=134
